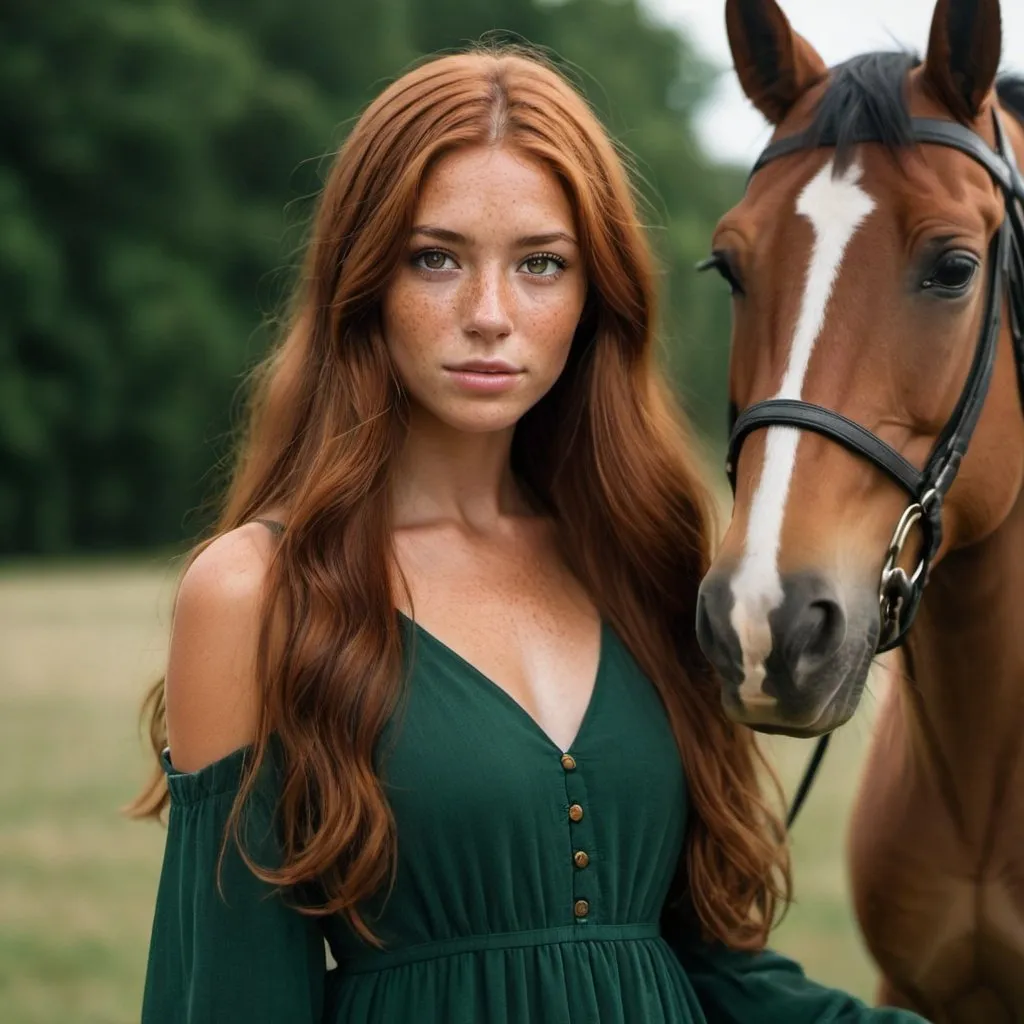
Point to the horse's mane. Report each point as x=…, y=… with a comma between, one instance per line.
x=866, y=94
x=1011, y=94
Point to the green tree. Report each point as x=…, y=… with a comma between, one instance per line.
x=127, y=259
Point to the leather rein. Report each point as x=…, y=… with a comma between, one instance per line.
x=899, y=594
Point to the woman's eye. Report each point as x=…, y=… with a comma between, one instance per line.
x=544, y=265
x=953, y=273
x=432, y=259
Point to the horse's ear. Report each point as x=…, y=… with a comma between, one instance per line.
x=775, y=65
x=963, y=54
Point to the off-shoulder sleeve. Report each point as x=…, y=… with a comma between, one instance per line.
x=247, y=958
x=738, y=987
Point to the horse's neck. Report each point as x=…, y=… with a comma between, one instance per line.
x=965, y=660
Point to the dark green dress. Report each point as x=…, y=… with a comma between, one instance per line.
x=530, y=884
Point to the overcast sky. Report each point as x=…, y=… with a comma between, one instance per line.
x=732, y=129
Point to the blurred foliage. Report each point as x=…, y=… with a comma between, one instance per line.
x=158, y=160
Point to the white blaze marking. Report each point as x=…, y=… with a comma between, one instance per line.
x=836, y=207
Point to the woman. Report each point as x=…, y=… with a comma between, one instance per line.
x=433, y=691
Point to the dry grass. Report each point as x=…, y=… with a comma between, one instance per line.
x=78, y=647
x=77, y=880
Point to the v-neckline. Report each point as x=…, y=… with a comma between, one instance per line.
x=503, y=694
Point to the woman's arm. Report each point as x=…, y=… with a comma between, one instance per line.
x=739, y=987
x=244, y=957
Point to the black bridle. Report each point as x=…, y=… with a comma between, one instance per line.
x=900, y=594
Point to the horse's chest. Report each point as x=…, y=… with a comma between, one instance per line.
x=947, y=933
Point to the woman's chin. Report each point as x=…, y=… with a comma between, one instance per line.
x=478, y=417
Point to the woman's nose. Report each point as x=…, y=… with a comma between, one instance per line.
x=488, y=309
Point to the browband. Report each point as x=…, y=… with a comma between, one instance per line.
x=923, y=130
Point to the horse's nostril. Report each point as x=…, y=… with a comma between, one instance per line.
x=715, y=634
x=831, y=630
x=815, y=632
x=705, y=631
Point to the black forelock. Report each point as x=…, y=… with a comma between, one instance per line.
x=866, y=97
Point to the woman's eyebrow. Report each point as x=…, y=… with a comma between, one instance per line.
x=547, y=239
x=445, y=235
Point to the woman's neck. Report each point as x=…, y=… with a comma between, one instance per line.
x=448, y=475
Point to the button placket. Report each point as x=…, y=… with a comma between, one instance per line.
x=580, y=822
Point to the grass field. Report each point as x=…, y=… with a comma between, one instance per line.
x=78, y=647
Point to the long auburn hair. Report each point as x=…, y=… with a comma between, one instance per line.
x=605, y=451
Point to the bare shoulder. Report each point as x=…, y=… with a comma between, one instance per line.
x=210, y=685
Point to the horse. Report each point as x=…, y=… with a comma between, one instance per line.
x=877, y=464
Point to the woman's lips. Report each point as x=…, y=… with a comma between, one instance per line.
x=487, y=376
x=486, y=381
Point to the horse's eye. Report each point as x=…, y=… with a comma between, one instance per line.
x=720, y=261
x=953, y=274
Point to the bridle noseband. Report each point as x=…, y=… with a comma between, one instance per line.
x=900, y=594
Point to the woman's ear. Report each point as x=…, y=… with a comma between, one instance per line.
x=963, y=55
x=775, y=65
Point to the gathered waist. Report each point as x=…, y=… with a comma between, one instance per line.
x=381, y=960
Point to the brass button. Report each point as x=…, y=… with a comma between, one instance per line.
x=580, y=858
x=576, y=812
x=581, y=908
x=568, y=762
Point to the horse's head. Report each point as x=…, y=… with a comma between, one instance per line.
x=861, y=275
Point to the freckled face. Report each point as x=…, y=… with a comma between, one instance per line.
x=480, y=314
